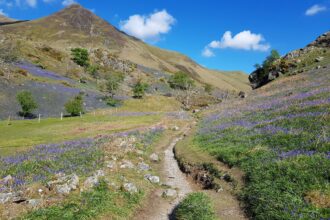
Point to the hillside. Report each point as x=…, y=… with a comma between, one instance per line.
x=78, y=27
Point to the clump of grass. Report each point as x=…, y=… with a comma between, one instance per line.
x=90, y=205
x=196, y=206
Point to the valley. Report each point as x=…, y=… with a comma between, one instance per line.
x=97, y=124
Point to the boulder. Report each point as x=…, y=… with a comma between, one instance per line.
x=126, y=164
x=242, y=94
x=154, y=157
x=319, y=59
x=94, y=180
x=64, y=184
x=130, y=187
x=34, y=203
x=170, y=193
x=151, y=178
x=143, y=166
x=11, y=197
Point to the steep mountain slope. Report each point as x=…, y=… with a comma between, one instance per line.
x=4, y=19
x=77, y=27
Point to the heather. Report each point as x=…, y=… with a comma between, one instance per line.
x=280, y=138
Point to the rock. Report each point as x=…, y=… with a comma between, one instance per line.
x=7, y=179
x=130, y=187
x=196, y=111
x=143, y=166
x=126, y=164
x=94, y=180
x=11, y=197
x=169, y=193
x=319, y=59
x=175, y=128
x=154, y=157
x=318, y=67
x=34, y=202
x=139, y=152
x=64, y=184
x=63, y=189
x=111, y=164
x=242, y=94
x=151, y=178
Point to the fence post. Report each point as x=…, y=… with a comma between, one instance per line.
x=61, y=116
x=80, y=114
x=8, y=123
x=39, y=118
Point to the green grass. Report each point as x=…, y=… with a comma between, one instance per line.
x=196, y=206
x=90, y=205
x=26, y=133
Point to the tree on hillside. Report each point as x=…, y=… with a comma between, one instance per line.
x=267, y=64
x=208, y=88
x=75, y=106
x=112, y=84
x=27, y=102
x=80, y=56
x=181, y=81
x=139, y=89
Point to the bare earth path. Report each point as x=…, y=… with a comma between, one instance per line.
x=159, y=208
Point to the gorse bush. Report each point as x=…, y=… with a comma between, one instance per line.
x=80, y=56
x=139, y=89
x=28, y=104
x=196, y=206
x=75, y=106
x=181, y=81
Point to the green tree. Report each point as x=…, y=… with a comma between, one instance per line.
x=75, y=106
x=208, y=88
x=28, y=104
x=112, y=84
x=181, y=81
x=139, y=89
x=80, y=56
x=267, y=64
x=93, y=70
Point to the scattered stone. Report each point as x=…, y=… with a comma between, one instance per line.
x=169, y=193
x=92, y=181
x=319, y=59
x=34, y=203
x=151, y=178
x=175, y=128
x=318, y=67
x=126, y=164
x=11, y=197
x=154, y=157
x=130, y=187
x=242, y=94
x=143, y=166
x=196, y=111
x=111, y=164
x=64, y=184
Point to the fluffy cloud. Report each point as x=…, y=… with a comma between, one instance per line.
x=207, y=52
x=68, y=2
x=245, y=40
x=31, y=3
x=2, y=12
x=315, y=9
x=148, y=27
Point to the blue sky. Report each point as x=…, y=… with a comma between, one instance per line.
x=224, y=35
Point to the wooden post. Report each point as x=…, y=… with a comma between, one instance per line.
x=8, y=123
x=80, y=114
x=39, y=118
x=61, y=116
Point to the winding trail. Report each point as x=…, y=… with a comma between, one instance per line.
x=160, y=208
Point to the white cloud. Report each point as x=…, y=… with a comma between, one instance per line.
x=31, y=3
x=207, y=52
x=68, y=2
x=148, y=27
x=315, y=9
x=2, y=12
x=245, y=40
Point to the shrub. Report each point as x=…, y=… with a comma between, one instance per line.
x=75, y=106
x=80, y=56
x=208, y=88
x=139, y=89
x=112, y=84
x=181, y=81
x=28, y=104
x=196, y=206
x=112, y=102
x=93, y=70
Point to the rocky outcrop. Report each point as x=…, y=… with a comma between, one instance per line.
x=64, y=184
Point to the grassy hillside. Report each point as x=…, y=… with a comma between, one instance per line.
x=78, y=27
x=279, y=137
